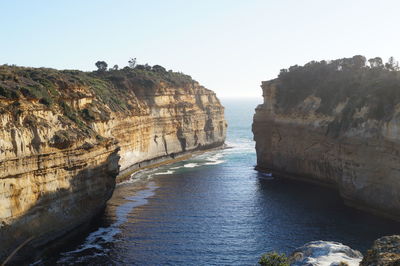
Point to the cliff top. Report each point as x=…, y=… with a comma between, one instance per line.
x=83, y=97
x=48, y=85
x=347, y=80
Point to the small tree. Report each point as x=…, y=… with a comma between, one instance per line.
x=132, y=62
x=358, y=61
x=147, y=67
x=376, y=62
x=282, y=72
x=140, y=67
x=115, y=67
x=101, y=66
x=158, y=68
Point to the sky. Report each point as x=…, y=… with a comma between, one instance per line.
x=229, y=46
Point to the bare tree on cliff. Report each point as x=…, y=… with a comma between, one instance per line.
x=132, y=62
x=392, y=64
x=376, y=62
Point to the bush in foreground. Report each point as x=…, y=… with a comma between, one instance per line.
x=274, y=259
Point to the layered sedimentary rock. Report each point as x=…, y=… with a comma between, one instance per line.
x=65, y=136
x=340, y=128
x=175, y=121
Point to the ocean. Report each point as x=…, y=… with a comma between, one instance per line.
x=215, y=209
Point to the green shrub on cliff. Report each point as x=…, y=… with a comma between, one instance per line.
x=273, y=259
x=148, y=77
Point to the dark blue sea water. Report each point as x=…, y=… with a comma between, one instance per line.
x=215, y=209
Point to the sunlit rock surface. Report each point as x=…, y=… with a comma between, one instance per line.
x=325, y=253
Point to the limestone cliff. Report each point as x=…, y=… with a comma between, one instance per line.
x=65, y=135
x=336, y=124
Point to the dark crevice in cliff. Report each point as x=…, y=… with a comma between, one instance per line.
x=209, y=129
x=181, y=138
x=14, y=141
x=165, y=144
x=36, y=141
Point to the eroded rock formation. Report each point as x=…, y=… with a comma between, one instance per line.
x=65, y=135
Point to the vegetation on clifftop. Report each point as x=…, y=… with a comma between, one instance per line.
x=102, y=91
x=346, y=80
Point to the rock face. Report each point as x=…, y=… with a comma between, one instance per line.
x=384, y=252
x=331, y=141
x=65, y=135
x=176, y=121
x=325, y=253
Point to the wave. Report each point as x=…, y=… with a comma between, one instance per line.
x=191, y=165
x=139, y=176
x=240, y=145
x=168, y=172
x=214, y=159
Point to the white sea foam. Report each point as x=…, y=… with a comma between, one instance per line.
x=144, y=175
x=168, y=172
x=214, y=159
x=214, y=162
x=209, y=158
x=176, y=167
x=191, y=165
x=136, y=177
x=240, y=145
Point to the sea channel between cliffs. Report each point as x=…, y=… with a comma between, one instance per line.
x=215, y=209
x=69, y=136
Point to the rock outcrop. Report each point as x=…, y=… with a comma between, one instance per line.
x=384, y=252
x=321, y=253
x=336, y=124
x=66, y=135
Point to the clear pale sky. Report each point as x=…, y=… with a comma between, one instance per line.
x=229, y=46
